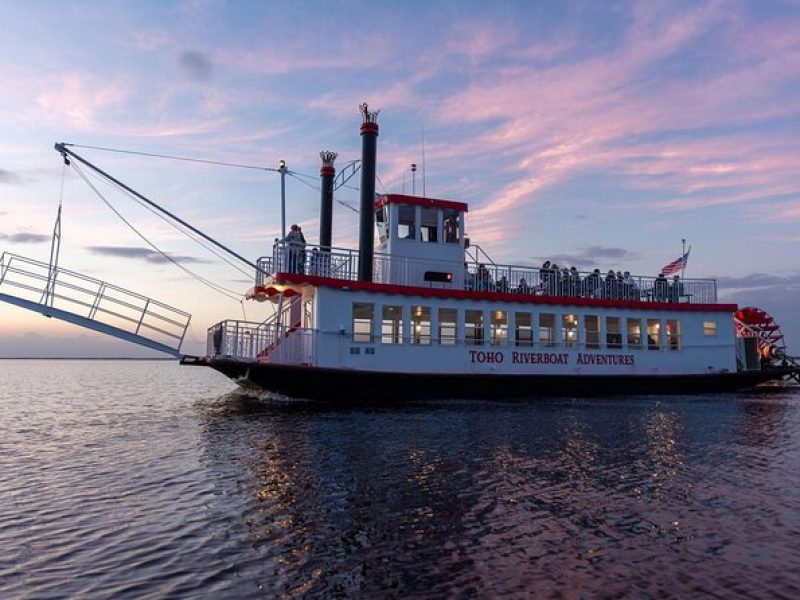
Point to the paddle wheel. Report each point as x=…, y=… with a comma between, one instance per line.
x=757, y=324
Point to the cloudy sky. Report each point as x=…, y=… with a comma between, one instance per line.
x=596, y=133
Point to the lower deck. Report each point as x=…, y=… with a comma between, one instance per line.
x=413, y=333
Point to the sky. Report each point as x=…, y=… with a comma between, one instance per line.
x=598, y=134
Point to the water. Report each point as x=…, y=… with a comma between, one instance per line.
x=147, y=479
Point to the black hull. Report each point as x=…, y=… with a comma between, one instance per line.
x=348, y=385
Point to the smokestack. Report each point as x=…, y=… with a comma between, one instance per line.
x=326, y=173
x=369, y=147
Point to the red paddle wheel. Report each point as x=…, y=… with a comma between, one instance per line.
x=757, y=323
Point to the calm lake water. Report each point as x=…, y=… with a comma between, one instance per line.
x=147, y=479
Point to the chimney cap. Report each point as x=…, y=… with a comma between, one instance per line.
x=327, y=158
x=368, y=115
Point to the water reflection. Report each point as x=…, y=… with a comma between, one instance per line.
x=485, y=498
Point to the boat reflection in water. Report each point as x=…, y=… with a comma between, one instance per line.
x=486, y=498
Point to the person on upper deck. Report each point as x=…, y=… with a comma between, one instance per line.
x=594, y=284
x=661, y=288
x=295, y=249
x=675, y=289
x=523, y=287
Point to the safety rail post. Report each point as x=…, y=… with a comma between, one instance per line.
x=3, y=266
x=97, y=297
x=183, y=333
x=144, y=312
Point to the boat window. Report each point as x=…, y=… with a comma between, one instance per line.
x=451, y=217
x=392, y=325
x=421, y=325
x=591, y=324
x=569, y=330
x=405, y=222
x=613, y=333
x=634, y=333
x=710, y=328
x=447, y=326
x=673, y=334
x=499, y=327
x=363, y=313
x=547, y=329
x=473, y=327
x=430, y=224
x=382, y=221
x=523, y=324
x=653, y=334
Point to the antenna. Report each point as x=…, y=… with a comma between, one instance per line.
x=413, y=179
x=423, y=161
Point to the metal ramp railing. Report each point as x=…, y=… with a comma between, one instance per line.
x=91, y=303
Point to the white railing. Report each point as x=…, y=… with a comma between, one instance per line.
x=340, y=263
x=38, y=284
x=249, y=341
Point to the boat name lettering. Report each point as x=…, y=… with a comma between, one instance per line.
x=606, y=359
x=535, y=358
x=551, y=358
x=485, y=357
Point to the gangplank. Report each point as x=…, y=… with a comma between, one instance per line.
x=69, y=296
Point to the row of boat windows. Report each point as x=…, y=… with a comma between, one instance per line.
x=419, y=223
x=500, y=328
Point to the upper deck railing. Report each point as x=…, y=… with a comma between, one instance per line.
x=341, y=263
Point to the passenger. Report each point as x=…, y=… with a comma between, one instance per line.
x=544, y=277
x=565, y=280
x=629, y=284
x=523, y=287
x=611, y=284
x=660, y=288
x=482, y=278
x=555, y=280
x=502, y=284
x=574, y=282
x=295, y=249
x=620, y=286
x=594, y=285
x=676, y=290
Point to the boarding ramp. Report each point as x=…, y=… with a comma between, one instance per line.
x=91, y=303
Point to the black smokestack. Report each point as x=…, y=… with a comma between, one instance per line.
x=327, y=173
x=369, y=150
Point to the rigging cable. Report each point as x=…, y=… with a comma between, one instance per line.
x=176, y=227
x=216, y=287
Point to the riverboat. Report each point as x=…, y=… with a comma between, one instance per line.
x=422, y=312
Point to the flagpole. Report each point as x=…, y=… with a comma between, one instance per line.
x=683, y=253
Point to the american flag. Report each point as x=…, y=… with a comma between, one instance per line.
x=676, y=265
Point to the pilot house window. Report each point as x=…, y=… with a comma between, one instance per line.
x=451, y=226
x=430, y=225
x=405, y=222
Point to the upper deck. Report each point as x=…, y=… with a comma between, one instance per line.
x=421, y=243
x=480, y=278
